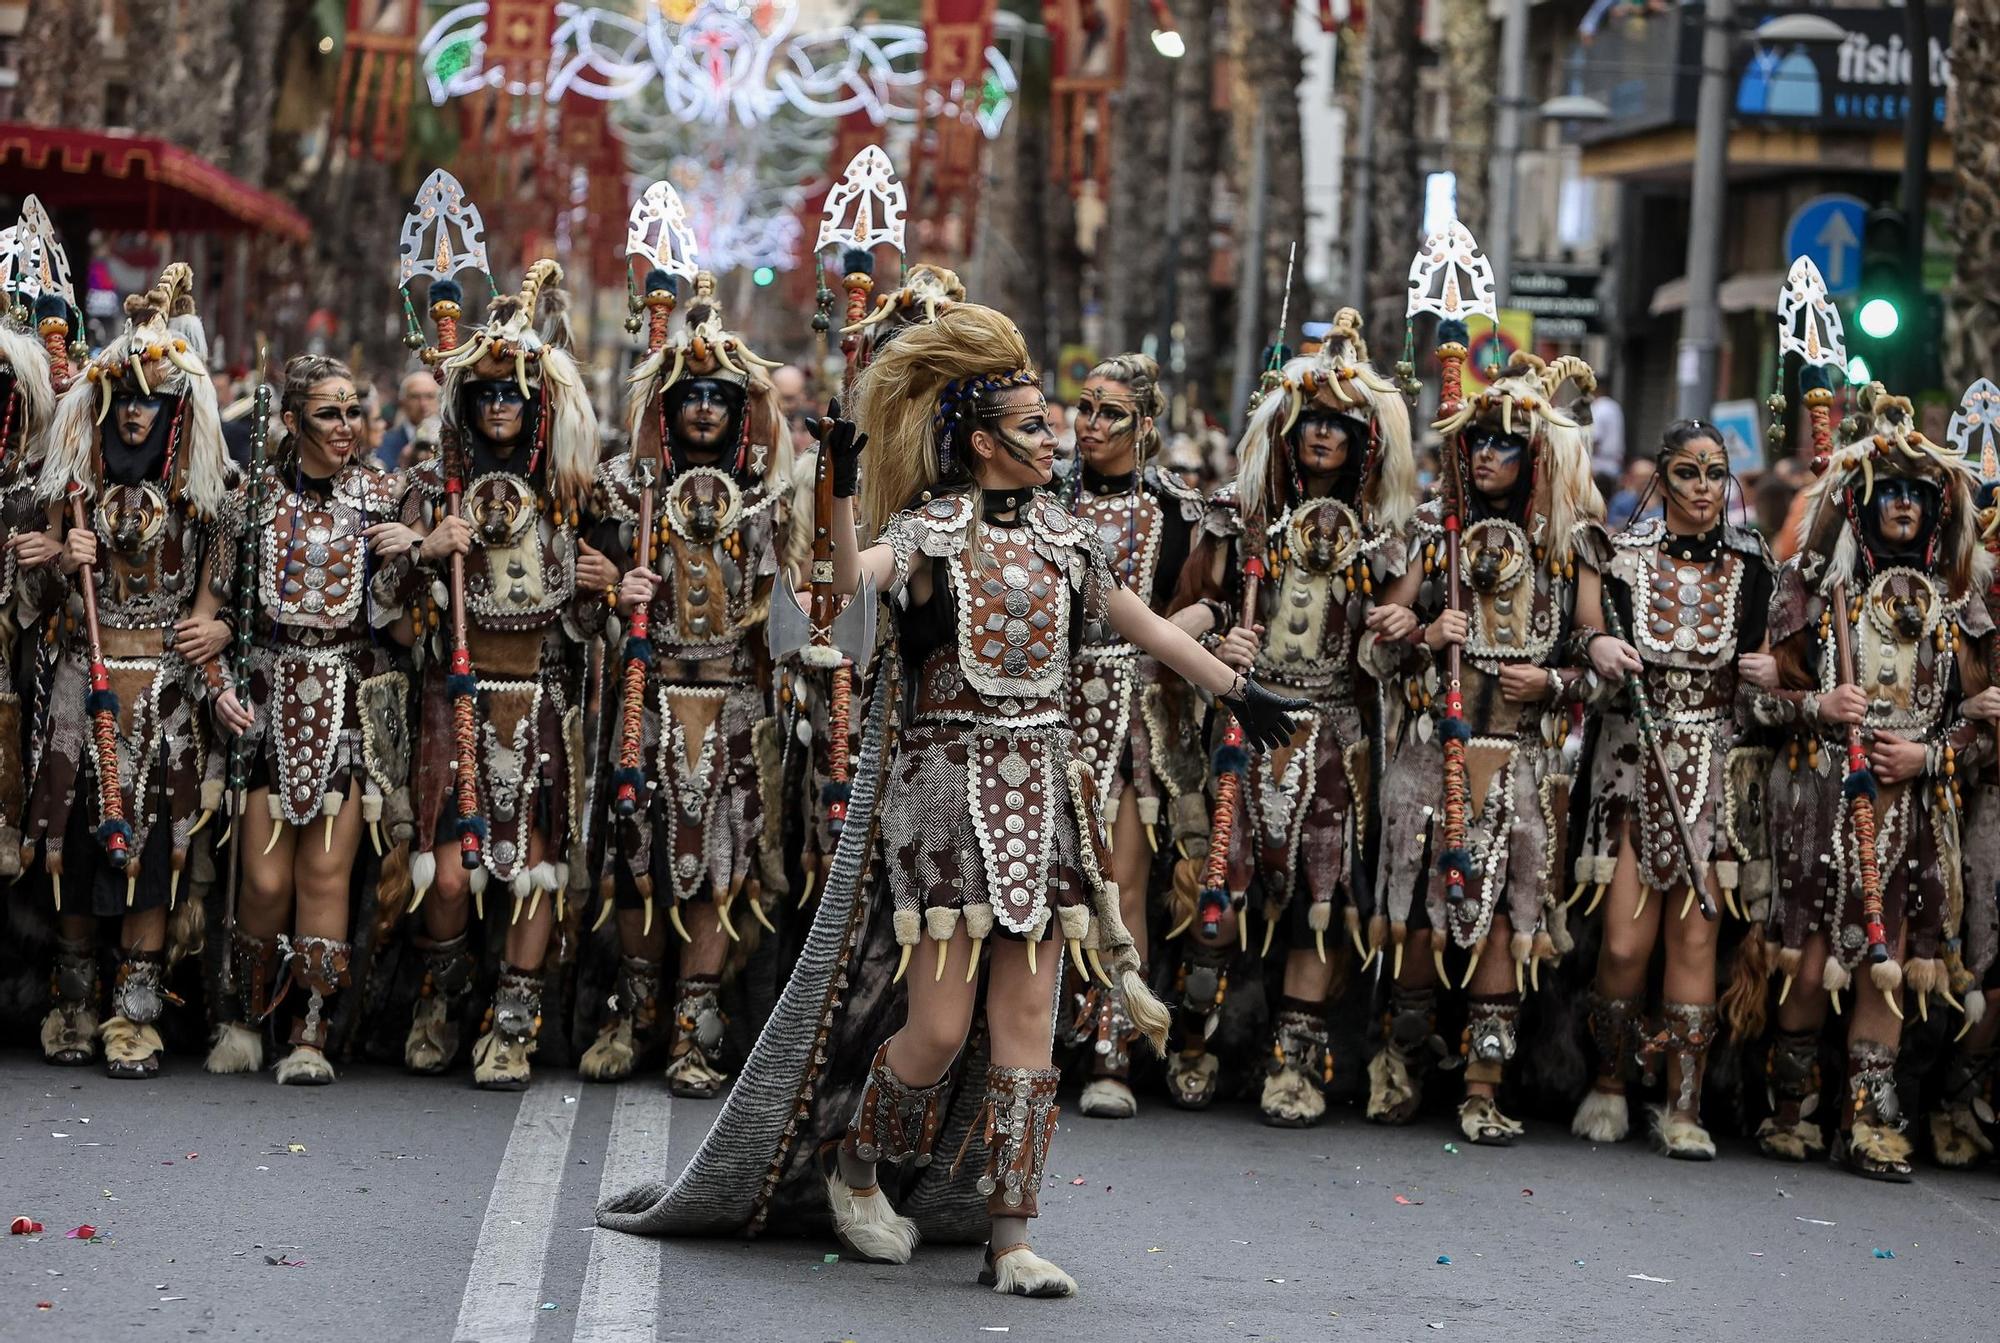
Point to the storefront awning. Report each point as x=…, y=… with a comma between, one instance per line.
x=1745, y=291
x=138, y=183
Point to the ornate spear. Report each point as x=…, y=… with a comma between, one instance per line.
x=864, y=210
x=442, y=235
x=1452, y=279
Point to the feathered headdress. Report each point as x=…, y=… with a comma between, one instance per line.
x=511, y=345
x=1880, y=440
x=161, y=353
x=926, y=291
x=1523, y=401
x=914, y=398
x=704, y=349
x=1338, y=377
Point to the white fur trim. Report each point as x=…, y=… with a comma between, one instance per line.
x=423, y=871
x=940, y=922
x=909, y=927
x=235, y=1049
x=1602, y=1118
x=868, y=1225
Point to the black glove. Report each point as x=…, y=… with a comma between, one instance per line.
x=1266, y=718
x=842, y=444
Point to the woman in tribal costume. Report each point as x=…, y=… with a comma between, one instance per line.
x=1689, y=592
x=522, y=438
x=137, y=470
x=1132, y=724
x=1528, y=496
x=1889, y=546
x=1319, y=514
x=693, y=758
x=989, y=834
x=323, y=715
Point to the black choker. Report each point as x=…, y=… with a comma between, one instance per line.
x=1097, y=483
x=994, y=503
x=1698, y=549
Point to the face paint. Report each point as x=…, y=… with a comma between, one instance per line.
x=1023, y=433
x=1697, y=482
x=499, y=410
x=1325, y=440
x=332, y=420
x=135, y=417
x=1902, y=508
x=1496, y=460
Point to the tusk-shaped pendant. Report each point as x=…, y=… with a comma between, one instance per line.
x=1688, y=903
x=1096, y=960
x=1945, y=991
x=376, y=838
x=674, y=914
x=603, y=913
x=646, y=924
x=1152, y=839
x=1270, y=931
x=1894, y=1006
x=1576, y=894
x=328, y=846
x=1963, y=1031
x=55, y=889
x=1437, y=959
x=1319, y=943
x=757, y=913
x=1032, y=970
x=1355, y=932
x=944, y=954
x=173, y=888
x=1729, y=903
x=277, y=828
x=902, y=963
x=1596, y=899
x=534, y=903
x=1520, y=979
x=807, y=893
x=1076, y=955
x=207, y=815
x=1472, y=967
x=1923, y=1007
x=131, y=889
x=416, y=899
x=1397, y=972
x=1180, y=927
x=515, y=916
x=1785, y=990
x=728, y=926
x=972, y=965
x=1640, y=908
x=1535, y=973
x=1833, y=996
x=1243, y=929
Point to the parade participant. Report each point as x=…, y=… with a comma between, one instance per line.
x=687, y=797
x=1146, y=519
x=1876, y=630
x=137, y=469
x=28, y=550
x=989, y=830
x=1314, y=525
x=321, y=712
x=498, y=740
x=1693, y=591
x=1473, y=870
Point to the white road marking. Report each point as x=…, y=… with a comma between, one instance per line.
x=621, y=1284
x=503, y=1289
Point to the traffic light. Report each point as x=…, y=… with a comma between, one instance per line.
x=763, y=275
x=1886, y=305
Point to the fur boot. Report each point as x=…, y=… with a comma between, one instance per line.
x=1873, y=1142
x=1019, y=1271
x=501, y=1054
x=1409, y=1047
x=892, y=1122
x=1791, y=1133
x=69, y=1031
x=698, y=1029
x=1301, y=1067
x=238, y=1046
x=318, y=965
x=132, y=1047
x=432, y=1043
x=628, y=1025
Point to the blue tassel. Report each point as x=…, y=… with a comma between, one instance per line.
x=1861, y=783
x=1452, y=331
x=447, y=291
x=1454, y=729
x=639, y=650
x=659, y=280
x=472, y=825
x=1456, y=860
x=854, y=261
x=109, y=830
x=1813, y=378
x=101, y=701
x=622, y=776
x=836, y=792
x=459, y=683
x=1231, y=760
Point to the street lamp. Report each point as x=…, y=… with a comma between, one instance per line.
x=1799, y=28
x=1166, y=37
x=1574, y=107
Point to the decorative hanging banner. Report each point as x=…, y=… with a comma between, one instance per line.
x=1087, y=63
x=378, y=66
x=713, y=61
x=956, y=33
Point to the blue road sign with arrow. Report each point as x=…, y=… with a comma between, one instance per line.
x=1828, y=229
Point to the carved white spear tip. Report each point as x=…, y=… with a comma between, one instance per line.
x=870, y=194
x=658, y=231
x=441, y=203
x=1808, y=323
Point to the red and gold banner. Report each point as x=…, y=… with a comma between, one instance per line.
x=517, y=37
x=378, y=74
x=955, y=33
x=1087, y=55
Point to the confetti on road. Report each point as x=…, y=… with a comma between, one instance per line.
x=1646, y=1277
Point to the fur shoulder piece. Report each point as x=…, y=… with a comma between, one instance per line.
x=1975, y=618
x=1169, y=485
x=614, y=495
x=1223, y=514
x=1790, y=611
x=1748, y=542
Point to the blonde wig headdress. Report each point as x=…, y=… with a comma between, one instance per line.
x=1881, y=439
x=32, y=399
x=161, y=353
x=1337, y=377
x=920, y=400
x=510, y=345
x=704, y=349
x=1139, y=373
x=1523, y=401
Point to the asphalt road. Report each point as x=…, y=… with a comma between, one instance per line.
x=387, y=1208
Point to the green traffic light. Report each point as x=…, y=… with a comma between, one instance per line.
x=763, y=275
x=1858, y=372
x=1879, y=318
